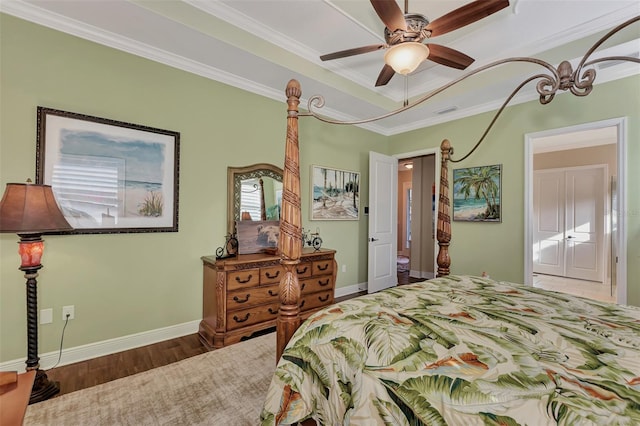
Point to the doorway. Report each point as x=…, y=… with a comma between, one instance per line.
x=574, y=238
x=383, y=221
x=416, y=242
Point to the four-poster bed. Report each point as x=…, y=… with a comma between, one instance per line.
x=456, y=349
x=290, y=243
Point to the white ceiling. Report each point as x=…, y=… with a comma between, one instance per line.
x=258, y=45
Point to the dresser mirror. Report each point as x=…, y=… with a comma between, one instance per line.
x=253, y=193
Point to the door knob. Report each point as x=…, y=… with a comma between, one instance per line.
x=373, y=239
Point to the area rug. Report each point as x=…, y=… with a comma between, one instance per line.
x=224, y=387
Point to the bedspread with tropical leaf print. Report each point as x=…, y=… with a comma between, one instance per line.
x=461, y=350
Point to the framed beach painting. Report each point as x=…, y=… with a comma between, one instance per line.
x=109, y=176
x=477, y=193
x=335, y=194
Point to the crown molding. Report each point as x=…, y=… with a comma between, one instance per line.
x=64, y=24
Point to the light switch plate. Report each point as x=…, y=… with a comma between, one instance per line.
x=46, y=316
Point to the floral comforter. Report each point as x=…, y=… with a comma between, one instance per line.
x=465, y=351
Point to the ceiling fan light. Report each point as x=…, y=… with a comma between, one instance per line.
x=404, y=58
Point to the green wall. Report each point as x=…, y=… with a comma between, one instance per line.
x=131, y=283
x=498, y=248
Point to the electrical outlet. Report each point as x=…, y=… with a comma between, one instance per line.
x=344, y=268
x=68, y=310
x=46, y=316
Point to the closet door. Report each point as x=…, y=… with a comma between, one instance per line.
x=585, y=208
x=569, y=232
x=549, y=225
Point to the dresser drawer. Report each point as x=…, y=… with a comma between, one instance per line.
x=304, y=269
x=316, y=300
x=255, y=315
x=243, y=279
x=271, y=274
x=320, y=267
x=311, y=285
x=243, y=299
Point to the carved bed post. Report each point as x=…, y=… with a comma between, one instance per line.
x=444, y=219
x=290, y=241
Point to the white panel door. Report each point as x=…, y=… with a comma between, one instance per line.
x=585, y=211
x=569, y=228
x=549, y=223
x=383, y=222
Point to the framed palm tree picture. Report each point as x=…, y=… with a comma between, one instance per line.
x=477, y=194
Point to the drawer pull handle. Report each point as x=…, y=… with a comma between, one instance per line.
x=323, y=300
x=246, y=317
x=244, y=281
x=238, y=300
x=272, y=276
x=302, y=286
x=302, y=304
x=302, y=271
x=272, y=293
x=273, y=311
x=323, y=267
x=323, y=283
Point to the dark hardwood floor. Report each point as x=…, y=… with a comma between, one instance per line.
x=84, y=374
x=104, y=369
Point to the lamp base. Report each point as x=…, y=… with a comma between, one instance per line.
x=43, y=388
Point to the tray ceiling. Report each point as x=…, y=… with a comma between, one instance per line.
x=258, y=45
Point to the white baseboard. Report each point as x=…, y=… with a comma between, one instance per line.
x=119, y=344
x=106, y=347
x=345, y=291
x=422, y=274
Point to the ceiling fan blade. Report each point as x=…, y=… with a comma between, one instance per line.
x=390, y=14
x=465, y=15
x=448, y=56
x=352, y=52
x=385, y=75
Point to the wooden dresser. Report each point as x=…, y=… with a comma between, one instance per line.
x=240, y=294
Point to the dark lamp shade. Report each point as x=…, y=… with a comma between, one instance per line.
x=30, y=209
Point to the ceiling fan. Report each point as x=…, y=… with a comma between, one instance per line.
x=405, y=32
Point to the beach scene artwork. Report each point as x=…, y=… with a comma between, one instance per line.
x=477, y=193
x=106, y=177
x=336, y=194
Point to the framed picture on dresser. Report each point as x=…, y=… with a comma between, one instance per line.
x=109, y=176
x=255, y=236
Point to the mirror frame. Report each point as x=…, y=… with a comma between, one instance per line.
x=234, y=176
